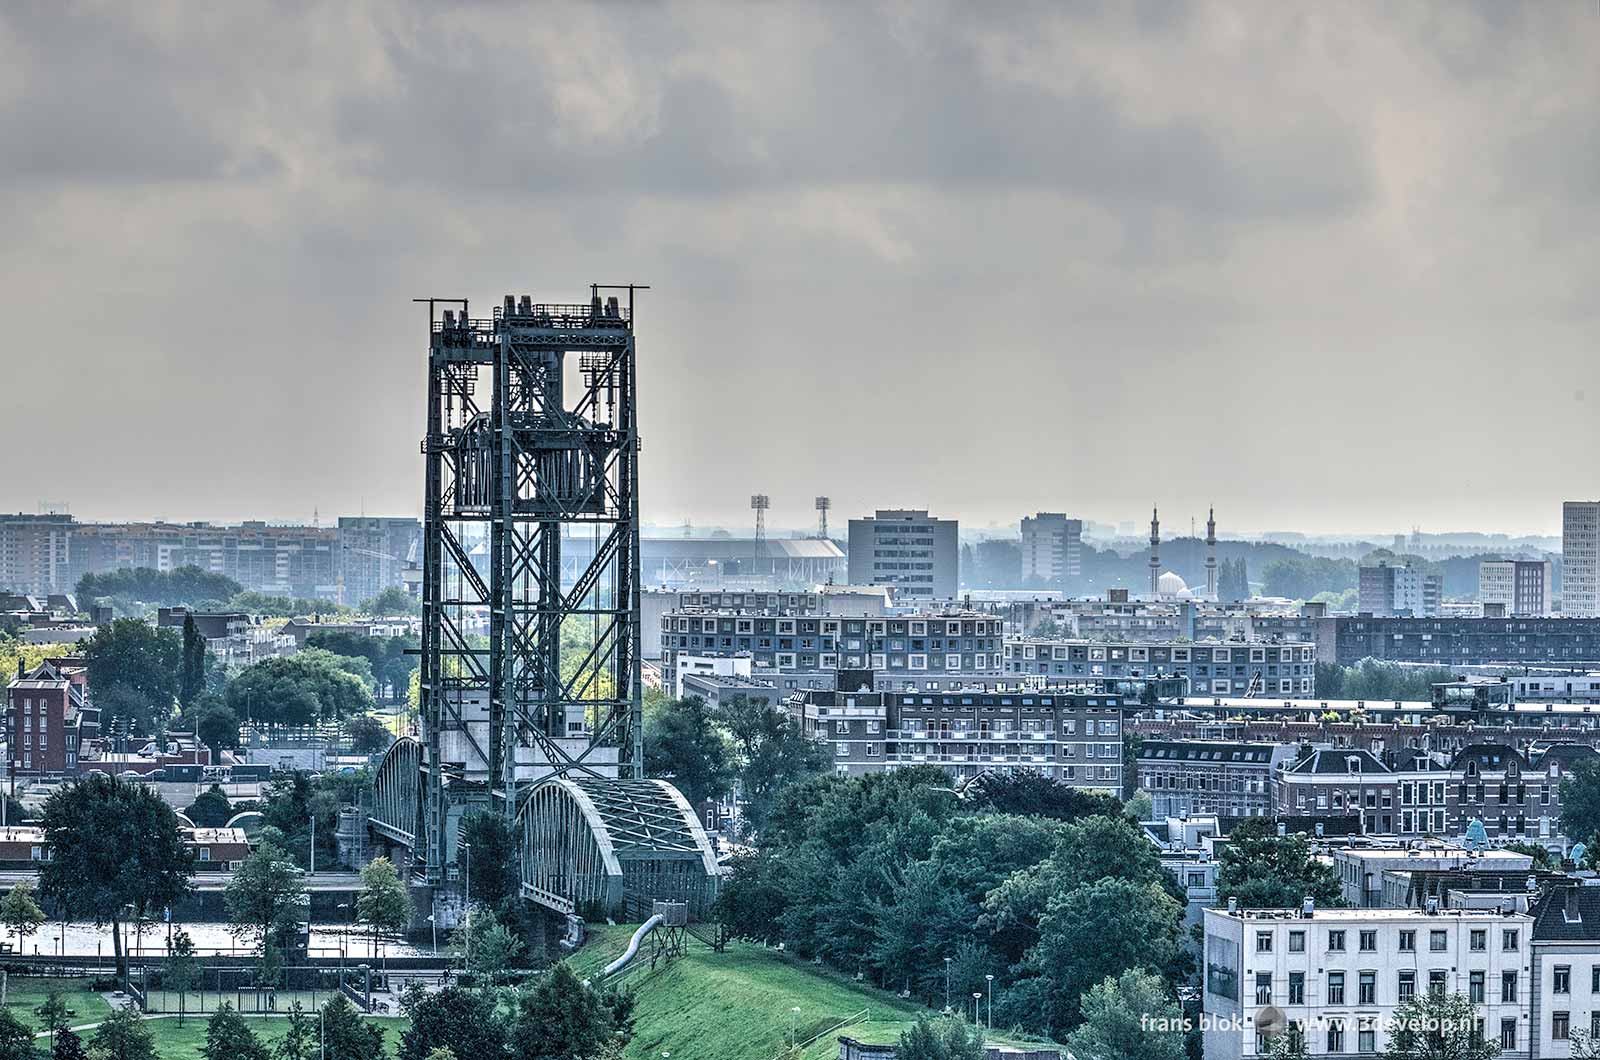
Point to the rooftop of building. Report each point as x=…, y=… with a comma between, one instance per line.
x=1363, y=915
x=1337, y=760
x=1206, y=751
x=1434, y=853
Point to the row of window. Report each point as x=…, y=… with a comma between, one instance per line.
x=1405, y=941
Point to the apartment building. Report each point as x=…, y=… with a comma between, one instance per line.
x=1398, y=589
x=48, y=721
x=374, y=553
x=1361, y=869
x=1074, y=738
x=1186, y=778
x=934, y=651
x=1336, y=976
x=1516, y=797
x=34, y=553
x=1282, y=670
x=1052, y=548
x=1522, y=588
x=1580, y=559
x=908, y=550
x=1547, y=642
x=1408, y=799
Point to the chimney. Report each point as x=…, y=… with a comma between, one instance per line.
x=1308, y=906
x=1533, y=884
x=1433, y=906
x=1233, y=905
x=1573, y=916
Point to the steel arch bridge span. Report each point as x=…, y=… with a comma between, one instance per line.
x=397, y=793
x=594, y=846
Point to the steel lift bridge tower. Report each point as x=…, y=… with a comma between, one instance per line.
x=524, y=681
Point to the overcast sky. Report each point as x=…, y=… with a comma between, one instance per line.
x=1329, y=266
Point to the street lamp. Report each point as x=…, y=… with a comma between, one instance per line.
x=947, y=984
x=977, y=996
x=794, y=1015
x=990, y=978
x=434, y=924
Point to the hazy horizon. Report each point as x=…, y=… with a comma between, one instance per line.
x=1328, y=267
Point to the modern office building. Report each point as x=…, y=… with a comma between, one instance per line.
x=1074, y=738
x=1336, y=976
x=909, y=550
x=34, y=553
x=1269, y=669
x=1392, y=589
x=1052, y=548
x=1580, y=559
x=1522, y=587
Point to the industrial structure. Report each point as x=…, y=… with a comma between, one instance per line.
x=526, y=682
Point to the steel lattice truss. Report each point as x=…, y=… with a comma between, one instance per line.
x=397, y=805
x=525, y=447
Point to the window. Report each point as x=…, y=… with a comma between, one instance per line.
x=1408, y=941
x=1560, y=1026
x=1562, y=981
x=1297, y=942
x=1594, y=982
x=1479, y=940
x=1508, y=939
x=1594, y=1024
x=1475, y=988
x=1436, y=979
x=1263, y=942
x=1366, y=1038
x=1297, y=989
x=1369, y=942
x=1407, y=987
x=1508, y=1034
x=1437, y=941
x=1335, y=1036
x=1367, y=989
x=205, y=853
x=1263, y=988
x=1508, y=987
x=1335, y=988
x=1336, y=941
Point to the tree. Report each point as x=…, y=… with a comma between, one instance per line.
x=182, y=971
x=264, y=897
x=229, y=1037
x=1289, y=1044
x=462, y=1021
x=562, y=1019
x=216, y=726
x=140, y=660
x=123, y=1036
x=1267, y=871
x=302, y=688
x=300, y=1041
x=443, y=1052
x=368, y=735
x=16, y=1038
x=20, y=913
x=192, y=671
x=392, y=601
x=115, y=847
x=1130, y=1017
x=949, y=1038
x=210, y=808
x=68, y=1046
x=682, y=744
x=186, y=586
x=1033, y=794
x=1543, y=860
x=491, y=944
x=347, y=1035
x=383, y=905
x=53, y=1014
x=770, y=751
x=1580, y=799
x=1438, y=1026
x=493, y=872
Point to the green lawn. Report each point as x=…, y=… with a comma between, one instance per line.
x=183, y=1043
x=737, y=1004
x=23, y=995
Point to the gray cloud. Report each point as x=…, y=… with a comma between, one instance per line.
x=1292, y=258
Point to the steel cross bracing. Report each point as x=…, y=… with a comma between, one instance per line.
x=539, y=448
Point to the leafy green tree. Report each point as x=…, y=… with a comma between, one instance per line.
x=948, y=1038
x=392, y=659
x=1097, y=931
x=54, y=1014
x=347, y=1035
x=1580, y=800
x=682, y=744
x=192, y=671
x=1289, y=1044
x=493, y=872
x=562, y=1019
x=265, y=896
x=16, y=1038
x=182, y=586
x=492, y=946
x=299, y=689
x=1438, y=1026
x=1130, y=1017
x=770, y=751
x=217, y=726
x=210, y=808
x=1543, y=860
x=68, y=1046
x=1300, y=577
x=182, y=971
x=115, y=847
x=384, y=904
x=229, y=1037
x=368, y=735
x=1267, y=871
x=462, y=1021
x=751, y=900
x=1031, y=794
x=140, y=660
x=299, y=1041
x=392, y=601
x=20, y=913
x=443, y=1052
x=293, y=800
x=123, y=1036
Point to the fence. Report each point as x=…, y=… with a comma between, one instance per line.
x=240, y=986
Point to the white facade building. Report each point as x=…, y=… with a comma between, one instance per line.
x=1580, y=559
x=1338, y=975
x=1521, y=586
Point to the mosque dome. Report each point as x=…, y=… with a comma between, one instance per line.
x=1172, y=584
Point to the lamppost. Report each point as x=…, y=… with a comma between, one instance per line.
x=434, y=924
x=794, y=1015
x=322, y=1029
x=947, y=984
x=990, y=979
x=977, y=996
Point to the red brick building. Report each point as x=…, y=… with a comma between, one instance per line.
x=46, y=721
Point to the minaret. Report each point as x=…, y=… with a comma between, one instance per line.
x=1211, y=554
x=1155, y=550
